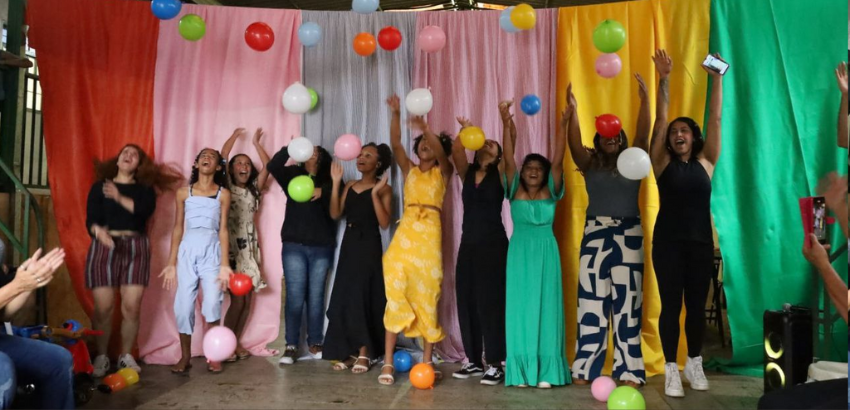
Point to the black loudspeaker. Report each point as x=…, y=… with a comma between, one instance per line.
x=788, y=349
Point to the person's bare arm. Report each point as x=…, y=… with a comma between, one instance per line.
x=711, y=152
x=382, y=197
x=560, y=151
x=570, y=118
x=644, y=117
x=399, y=153
x=169, y=273
x=658, y=147
x=224, y=271
x=337, y=204
x=34, y=273
x=841, y=76
x=459, y=152
x=818, y=255
x=228, y=145
x=509, y=141
x=11, y=60
x=263, y=177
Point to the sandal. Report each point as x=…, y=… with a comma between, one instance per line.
x=342, y=365
x=243, y=354
x=184, y=370
x=438, y=375
x=387, y=379
x=359, y=368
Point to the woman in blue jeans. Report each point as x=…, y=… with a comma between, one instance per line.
x=49, y=367
x=309, y=237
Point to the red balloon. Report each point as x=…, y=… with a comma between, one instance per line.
x=389, y=38
x=364, y=44
x=259, y=36
x=608, y=125
x=241, y=284
x=115, y=382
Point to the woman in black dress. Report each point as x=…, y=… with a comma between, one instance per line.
x=355, y=335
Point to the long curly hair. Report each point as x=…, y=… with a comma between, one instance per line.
x=220, y=176
x=251, y=185
x=162, y=177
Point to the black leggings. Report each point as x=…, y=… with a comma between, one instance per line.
x=682, y=267
x=480, y=289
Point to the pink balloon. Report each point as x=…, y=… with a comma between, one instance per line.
x=219, y=343
x=432, y=39
x=608, y=65
x=347, y=147
x=602, y=387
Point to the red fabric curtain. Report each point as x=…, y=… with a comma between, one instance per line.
x=97, y=97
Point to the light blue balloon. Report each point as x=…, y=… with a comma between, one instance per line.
x=166, y=9
x=364, y=6
x=505, y=21
x=309, y=34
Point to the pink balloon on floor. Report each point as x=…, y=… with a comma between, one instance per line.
x=347, y=147
x=432, y=39
x=219, y=343
x=608, y=65
x=602, y=388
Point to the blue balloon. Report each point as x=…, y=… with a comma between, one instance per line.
x=530, y=104
x=402, y=361
x=309, y=34
x=166, y=9
x=364, y=6
x=505, y=21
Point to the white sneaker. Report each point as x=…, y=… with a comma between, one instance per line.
x=695, y=374
x=288, y=356
x=101, y=366
x=673, y=384
x=544, y=385
x=127, y=361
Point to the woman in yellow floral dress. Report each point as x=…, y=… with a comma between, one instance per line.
x=413, y=264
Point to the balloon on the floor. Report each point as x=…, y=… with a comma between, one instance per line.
x=347, y=147
x=364, y=44
x=402, y=361
x=314, y=97
x=530, y=104
x=422, y=376
x=633, y=163
x=432, y=39
x=309, y=34
x=608, y=65
x=626, y=398
x=192, y=27
x=219, y=343
x=419, y=101
x=296, y=99
x=300, y=149
x=364, y=6
x=115, y=382
x=301, y=188
x=259, y=36
x=389, y=38
x=608, y=125
x=241, y=284
x=505, y=21
x=472, y=138
x=602, y=387
x=166, y=9
x=524, y=17
x=609, y=36
x=130, y=376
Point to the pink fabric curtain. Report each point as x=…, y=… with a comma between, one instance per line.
x=203, y=91
x=480, y=66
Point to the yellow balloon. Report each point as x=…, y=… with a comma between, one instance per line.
x=129, y=375
x=472, y=138
x=524, y=17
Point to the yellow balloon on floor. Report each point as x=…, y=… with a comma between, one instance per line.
x=129, y=375
x=524, y=17
x=472, y=138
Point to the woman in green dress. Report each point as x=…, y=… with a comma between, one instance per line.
x=534, y=314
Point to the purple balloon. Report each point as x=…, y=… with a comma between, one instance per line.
x=608, y=65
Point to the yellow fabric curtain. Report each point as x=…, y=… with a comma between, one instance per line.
x=682, y=28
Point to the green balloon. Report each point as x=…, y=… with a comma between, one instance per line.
x=192, y=27
x=626, y=398
x=314, y=97
x=301, y=188
x=609, y=36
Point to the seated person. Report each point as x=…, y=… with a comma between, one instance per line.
x=46, y=365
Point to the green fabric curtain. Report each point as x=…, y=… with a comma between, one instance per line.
x=779, y=132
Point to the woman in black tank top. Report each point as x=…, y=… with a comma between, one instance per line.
x=355, y=335
x=683, y=244
x=481, y=260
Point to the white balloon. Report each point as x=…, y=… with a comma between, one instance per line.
x=296, y=99
x=634, y=164
x=419, y=101
x=300, y=149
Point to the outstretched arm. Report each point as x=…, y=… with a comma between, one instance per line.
x=841, y=76
x=459, y=152
x=657, y=154
x=399, y=152
x=228, y=145
x=559, y=154
x=715, y=111
x=446, y=167
x=508, y=140
x=570, y=118
x=642, y=133
x=818, y=255
x=263, y=178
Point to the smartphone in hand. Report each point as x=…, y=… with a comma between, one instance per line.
x=715, y=64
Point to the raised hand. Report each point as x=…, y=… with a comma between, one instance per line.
x=711, y=72
x=317, y=193
x=571, y=106
x=841, y=76
x=505, y=110
x=642, y=90
x=336, y=171
x=37, y=272
x=381, y=183
x=393, y=103
x=257, y=135
x=110, y=190
x=238, y=133
x=418, y=121
x=464, y=122
x=169, y=275
x=663, y=63
x=102, y=235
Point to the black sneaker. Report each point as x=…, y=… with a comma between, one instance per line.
x=494, y=376
x=289, y=354
x=468, y=369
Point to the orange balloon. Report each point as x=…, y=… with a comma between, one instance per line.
x=364, y=44
x=422, y=376
x=115, y=382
